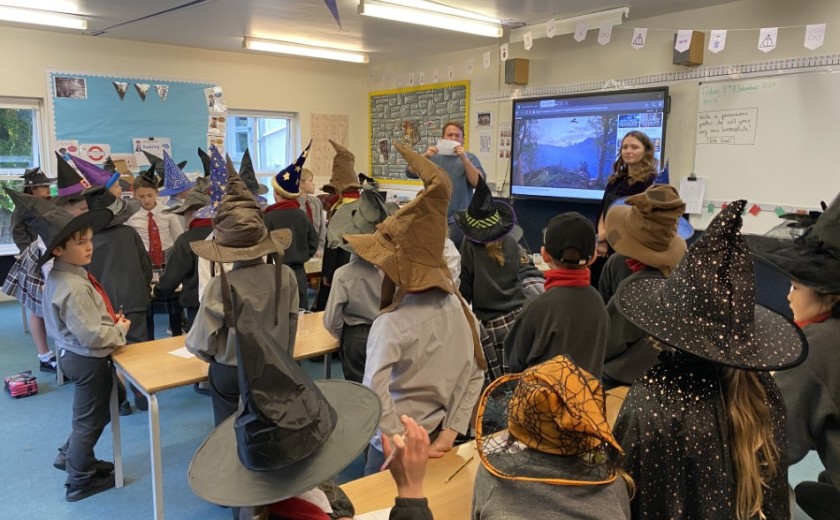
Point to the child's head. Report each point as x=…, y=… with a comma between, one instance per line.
x=38, y=191
x=307, y=181
x=806, y=303
x=146, y=192
x=77, y=248
x=568, y=241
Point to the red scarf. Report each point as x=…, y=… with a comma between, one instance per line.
x=284, y=204
x=200, y=223
x=819, y=318
x=298, y=509
x=634, y=265
x=566, y=278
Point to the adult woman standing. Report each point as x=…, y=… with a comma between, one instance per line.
x=704, y=430
x=812, y=390
x=634, y=171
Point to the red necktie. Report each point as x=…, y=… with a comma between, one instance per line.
x=309, y=211
x=101, y=292
x=155, y=248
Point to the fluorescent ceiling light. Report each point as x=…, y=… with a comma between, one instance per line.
x=298, y=49
x=568, y=25
x=432, y=15
x=34, y=17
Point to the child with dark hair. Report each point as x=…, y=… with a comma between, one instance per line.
x=36, y=183
x=80, y=318
x=570, y=318
x=157, y=229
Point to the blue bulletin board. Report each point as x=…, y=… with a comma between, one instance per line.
x=89, y=109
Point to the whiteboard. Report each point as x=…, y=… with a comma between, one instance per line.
x=770, y=140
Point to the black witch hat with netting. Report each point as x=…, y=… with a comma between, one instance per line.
x=547, y=424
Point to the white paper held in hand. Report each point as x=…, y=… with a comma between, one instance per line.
x=447, y=146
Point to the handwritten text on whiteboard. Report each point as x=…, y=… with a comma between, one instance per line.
x=736, y=126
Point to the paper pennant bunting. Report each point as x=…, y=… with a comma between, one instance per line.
x=755, y=209
x=410, y=79
x=450, y=72
x=605, y=33
x=744, y=211
x=122, y=88
x=470, y=65
x=528, y=41
x=331, y=5
x=551, y=28
x=767, y=39
x=162, y=91
x=814, y=36
x=142, y=89
x=485, y=58
x=580, y=31
x=683, y=41
x=779, y=211
x=435, y=75
x=422, y=78
x=724, y=205
x=717, y=41
x=639, y=38
x=503, y=52
x=710, y=208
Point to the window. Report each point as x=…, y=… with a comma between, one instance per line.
x=20, y=148
x=269, y=136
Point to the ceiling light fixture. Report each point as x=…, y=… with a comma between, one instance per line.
x=35, y=17
x=568, y=25
x=432, y=15
x=299, y=49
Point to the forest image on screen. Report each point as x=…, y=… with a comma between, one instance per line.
x=565, y=147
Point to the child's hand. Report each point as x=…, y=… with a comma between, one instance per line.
x=123, y=323
x=409, y=464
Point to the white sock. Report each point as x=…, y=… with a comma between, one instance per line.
x=45, y=357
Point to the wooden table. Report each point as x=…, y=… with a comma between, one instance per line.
x=452, y=500
x=151, y=369
x=448, y=500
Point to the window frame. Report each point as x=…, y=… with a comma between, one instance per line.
x=39, y=132
x=292, y=134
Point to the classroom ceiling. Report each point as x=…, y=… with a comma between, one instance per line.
x=222, y=24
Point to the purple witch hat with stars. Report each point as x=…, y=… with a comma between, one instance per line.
x=218, y=180
x=174, y=180
x=94, y=174
x=287, y=182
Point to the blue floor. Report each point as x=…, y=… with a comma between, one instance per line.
x=32, y=428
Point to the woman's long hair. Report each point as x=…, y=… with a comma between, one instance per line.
x=647, y=167
x=755, y=455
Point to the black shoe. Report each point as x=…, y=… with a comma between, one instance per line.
x=200, y=389
x=102, y=467
x=125, y=408
x=96, y=485
x=140, y=401
x=48, y=366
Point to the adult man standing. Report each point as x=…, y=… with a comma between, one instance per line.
x=463, y=168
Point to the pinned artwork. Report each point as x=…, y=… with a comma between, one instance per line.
x=121, y=88
x=142, y=89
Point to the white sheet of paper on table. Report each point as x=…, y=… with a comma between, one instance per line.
x=182, y=353
x=381, y=514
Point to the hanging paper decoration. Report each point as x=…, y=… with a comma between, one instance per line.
x=470, y=65
x=486, y=60
x=551, y=28
x=767, y=39
x=122, y=88
x=605, y=33
x=710, y=207
x=755, y=209
x=717, y=41
x=779, y=211
x=435, y=75
x=142, y=88
x=334, y=10
x=162, y=91
x=450, y=72
x=814, y=36
x=580, y=31
x=639, y=38
x=683, y=41
x=528, y=40
x=503, y=52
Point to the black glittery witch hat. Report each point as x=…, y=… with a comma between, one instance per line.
x=707, y=306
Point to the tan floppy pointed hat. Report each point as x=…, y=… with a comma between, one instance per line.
x=343, y=173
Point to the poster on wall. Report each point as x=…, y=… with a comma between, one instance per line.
x=96, y=153
x=323, y=128
x=66, y=148
x=153, y=145
x=414, y=116
x=505, y=135
x=216, y=118
x=70, y=87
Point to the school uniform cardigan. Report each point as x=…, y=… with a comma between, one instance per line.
x=571, y=321
x=812, y=394
x=492, y=289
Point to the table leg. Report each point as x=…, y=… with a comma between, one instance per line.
x=157, y=463
x=115, y=432
x=327, y=365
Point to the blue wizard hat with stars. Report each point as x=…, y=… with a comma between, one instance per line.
x=287, y=182
x=174, y=180
x=218, y=180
